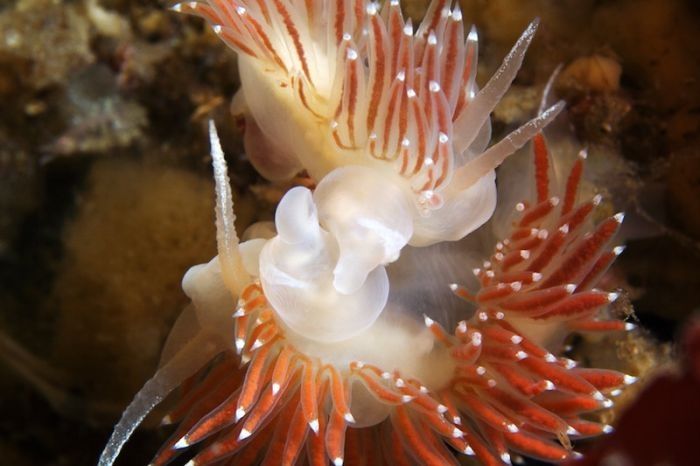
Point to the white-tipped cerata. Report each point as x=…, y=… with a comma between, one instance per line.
x=314, y=425
x=182, y=443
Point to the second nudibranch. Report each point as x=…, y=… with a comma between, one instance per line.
x=326, y=84
x=400, y=390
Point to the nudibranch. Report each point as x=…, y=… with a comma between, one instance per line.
x=332, y=83
x=304, y=345
x=400, y=392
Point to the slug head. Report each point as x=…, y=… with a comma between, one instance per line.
x=324, y=271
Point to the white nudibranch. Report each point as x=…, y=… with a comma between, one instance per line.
x=326, y=84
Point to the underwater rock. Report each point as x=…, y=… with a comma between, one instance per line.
x=99, y=118
x=683, y=186
x=17, y=187
x=118, y=288
x=595, y=73
x=49, y=39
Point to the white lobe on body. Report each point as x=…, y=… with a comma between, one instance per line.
x=324, y=272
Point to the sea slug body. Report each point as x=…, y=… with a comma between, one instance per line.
x=358, y=86
x=403, y=392
x=309, y=346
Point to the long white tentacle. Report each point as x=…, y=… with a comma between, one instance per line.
x=478, y=111
x=193, y=356
x=473, y=170
x=548, y=87
x=234, y=274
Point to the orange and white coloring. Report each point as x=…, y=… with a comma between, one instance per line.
x=324, y=340
x=404, y=391
x=331, y=83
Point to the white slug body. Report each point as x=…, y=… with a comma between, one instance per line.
x=324, y=271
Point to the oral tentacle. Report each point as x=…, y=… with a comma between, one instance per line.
x=196, y=354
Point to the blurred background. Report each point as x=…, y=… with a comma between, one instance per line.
x=106, y=196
